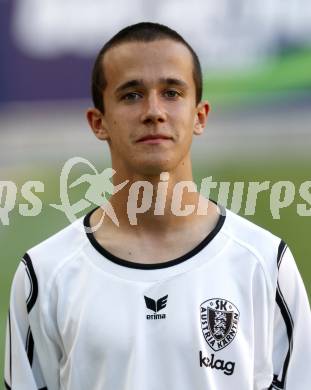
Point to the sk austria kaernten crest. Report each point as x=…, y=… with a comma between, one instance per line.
x=219, y=322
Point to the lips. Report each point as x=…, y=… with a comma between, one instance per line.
x=154, y=138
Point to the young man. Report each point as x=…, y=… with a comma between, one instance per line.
x=201, y=300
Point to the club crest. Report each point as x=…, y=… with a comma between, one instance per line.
x=219, y=322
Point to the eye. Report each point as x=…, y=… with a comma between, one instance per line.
x=131, y=96
x=171, y=93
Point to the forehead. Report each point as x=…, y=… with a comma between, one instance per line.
x=149, y=61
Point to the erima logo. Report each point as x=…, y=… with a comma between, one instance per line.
x=155, y=306
x=227, y=368
x=219, y=322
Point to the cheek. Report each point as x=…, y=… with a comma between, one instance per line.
x=124, y=119
x=185, y=125
x=185, y=115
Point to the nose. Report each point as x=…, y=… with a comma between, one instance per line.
x=153, y=110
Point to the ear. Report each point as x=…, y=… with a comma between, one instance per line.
x=97, y=123
x=202, y=111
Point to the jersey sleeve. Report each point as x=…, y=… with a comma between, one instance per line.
x=292, y=328
x=22, y=366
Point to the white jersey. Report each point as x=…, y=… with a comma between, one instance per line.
x=230, y=314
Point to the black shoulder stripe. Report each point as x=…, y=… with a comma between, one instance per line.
x=29, y=350
x=10, y=340
x=289, y=328
x=31, y=300
x=280, y=384
x=281, y=251
x=6, y=385
x=30, y=346
x=275, y=385
x=30, y=281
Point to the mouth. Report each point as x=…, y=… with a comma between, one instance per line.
x=154, y=139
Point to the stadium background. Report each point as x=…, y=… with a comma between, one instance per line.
x=256, y=58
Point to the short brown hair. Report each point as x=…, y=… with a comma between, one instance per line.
x=140, y=32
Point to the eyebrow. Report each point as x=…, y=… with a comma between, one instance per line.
x=140, y=83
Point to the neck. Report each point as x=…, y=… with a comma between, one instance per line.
x=156, y=202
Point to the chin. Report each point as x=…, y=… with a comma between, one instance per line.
x=153, y=167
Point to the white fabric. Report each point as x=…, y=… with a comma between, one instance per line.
x=91, y=331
